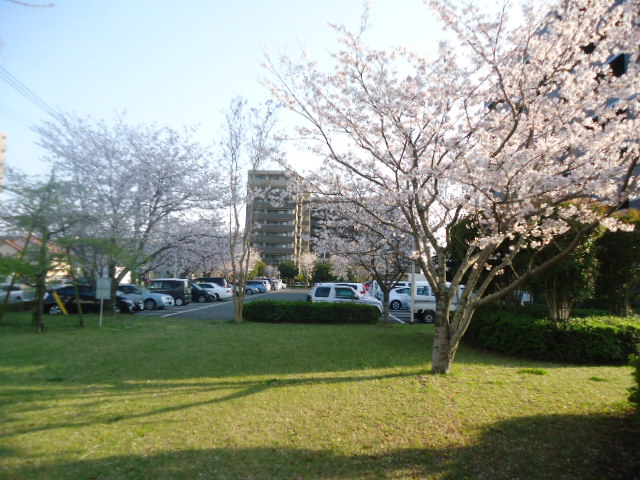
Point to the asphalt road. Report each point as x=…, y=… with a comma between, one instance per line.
x=222, y=310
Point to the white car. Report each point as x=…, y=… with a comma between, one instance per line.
x=16, y=294
x=215, y=290
x=358, y=287
x=335, y=293
x=400, y=298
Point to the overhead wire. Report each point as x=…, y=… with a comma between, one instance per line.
x=21, y=88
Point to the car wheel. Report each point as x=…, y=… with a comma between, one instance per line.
x=249, y=291
x=429, y=316
x=150, y=305
x=116, y=309
x=55, y=310
x=396, y=305
x=202, y=299
x=217, y=297
x=179, y=301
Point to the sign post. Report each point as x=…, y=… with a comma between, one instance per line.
x=103, y=291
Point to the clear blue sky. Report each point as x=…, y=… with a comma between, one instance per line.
x=166, y=61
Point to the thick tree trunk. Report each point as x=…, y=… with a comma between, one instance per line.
x=385, y=306
x=558, y=303
x=444, y=350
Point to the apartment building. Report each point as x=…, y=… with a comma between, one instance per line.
x=281, y=217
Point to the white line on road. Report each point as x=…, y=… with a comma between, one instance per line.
x=193, y=309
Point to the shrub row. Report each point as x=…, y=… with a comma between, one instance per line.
x=635, y=390
x=308, y=312
x=17, y=307
x=588, y=340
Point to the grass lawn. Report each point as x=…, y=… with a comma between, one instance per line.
x=168, y=398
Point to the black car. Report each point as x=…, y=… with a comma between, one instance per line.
x=88, y=301
x=201, y=295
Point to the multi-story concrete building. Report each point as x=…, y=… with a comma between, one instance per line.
x=281, y=217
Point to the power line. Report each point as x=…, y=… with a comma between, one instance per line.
x=23, y=90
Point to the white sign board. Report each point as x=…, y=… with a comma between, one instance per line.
x=103, y=288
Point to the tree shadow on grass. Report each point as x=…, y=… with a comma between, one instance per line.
x=214, y=392
x=570, y=447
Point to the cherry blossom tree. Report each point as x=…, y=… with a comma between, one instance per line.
x=383, y=252
x=247, y=143
x=520, y=129
x=306, y=262
x=133, y=181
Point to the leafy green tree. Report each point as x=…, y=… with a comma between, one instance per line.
x=570, y=280
x=619, y=256
x=289, y=270
x=35, y=209
x=322, y=272
x=259, y=270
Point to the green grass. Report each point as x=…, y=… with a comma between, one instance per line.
x=157, y=398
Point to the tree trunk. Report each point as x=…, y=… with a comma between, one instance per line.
x=41, y=278
x=385, y=305
x=444, y=350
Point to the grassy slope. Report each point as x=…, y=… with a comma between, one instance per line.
x=157, y=398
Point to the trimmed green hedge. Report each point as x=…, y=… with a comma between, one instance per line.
x=589, y=340
x=18, y=307
x=308, y=312
x=635, y=390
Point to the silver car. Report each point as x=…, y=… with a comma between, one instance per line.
x=144, y=298
x=400, y=298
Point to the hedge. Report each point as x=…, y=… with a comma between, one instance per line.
x=635, y=390
x=588, y=340
x=308, y=312
x=18, y=306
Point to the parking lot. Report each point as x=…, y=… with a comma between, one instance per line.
x=223, y=310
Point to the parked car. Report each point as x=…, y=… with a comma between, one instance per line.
x=217, y=280
x=130, y=291
x=210, y=292
x=266, y=282
x=152, y=300
x=255, y=286
x=17, y=293
x=178, y=288
x=200, y=294
x=335, y=293
x=400, y=298
x=88, y=300
x=425, y=307
x=358, y=287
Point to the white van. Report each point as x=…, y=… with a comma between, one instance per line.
x=425, y=306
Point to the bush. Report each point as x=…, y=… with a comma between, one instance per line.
x=635, y=390
x=307, y=312
x=588, y=340
x=18, y=307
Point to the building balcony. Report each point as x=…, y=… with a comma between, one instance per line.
x=274, y=228
x=268, y=239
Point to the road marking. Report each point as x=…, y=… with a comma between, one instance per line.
x=396, y=319
x=217, y=304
